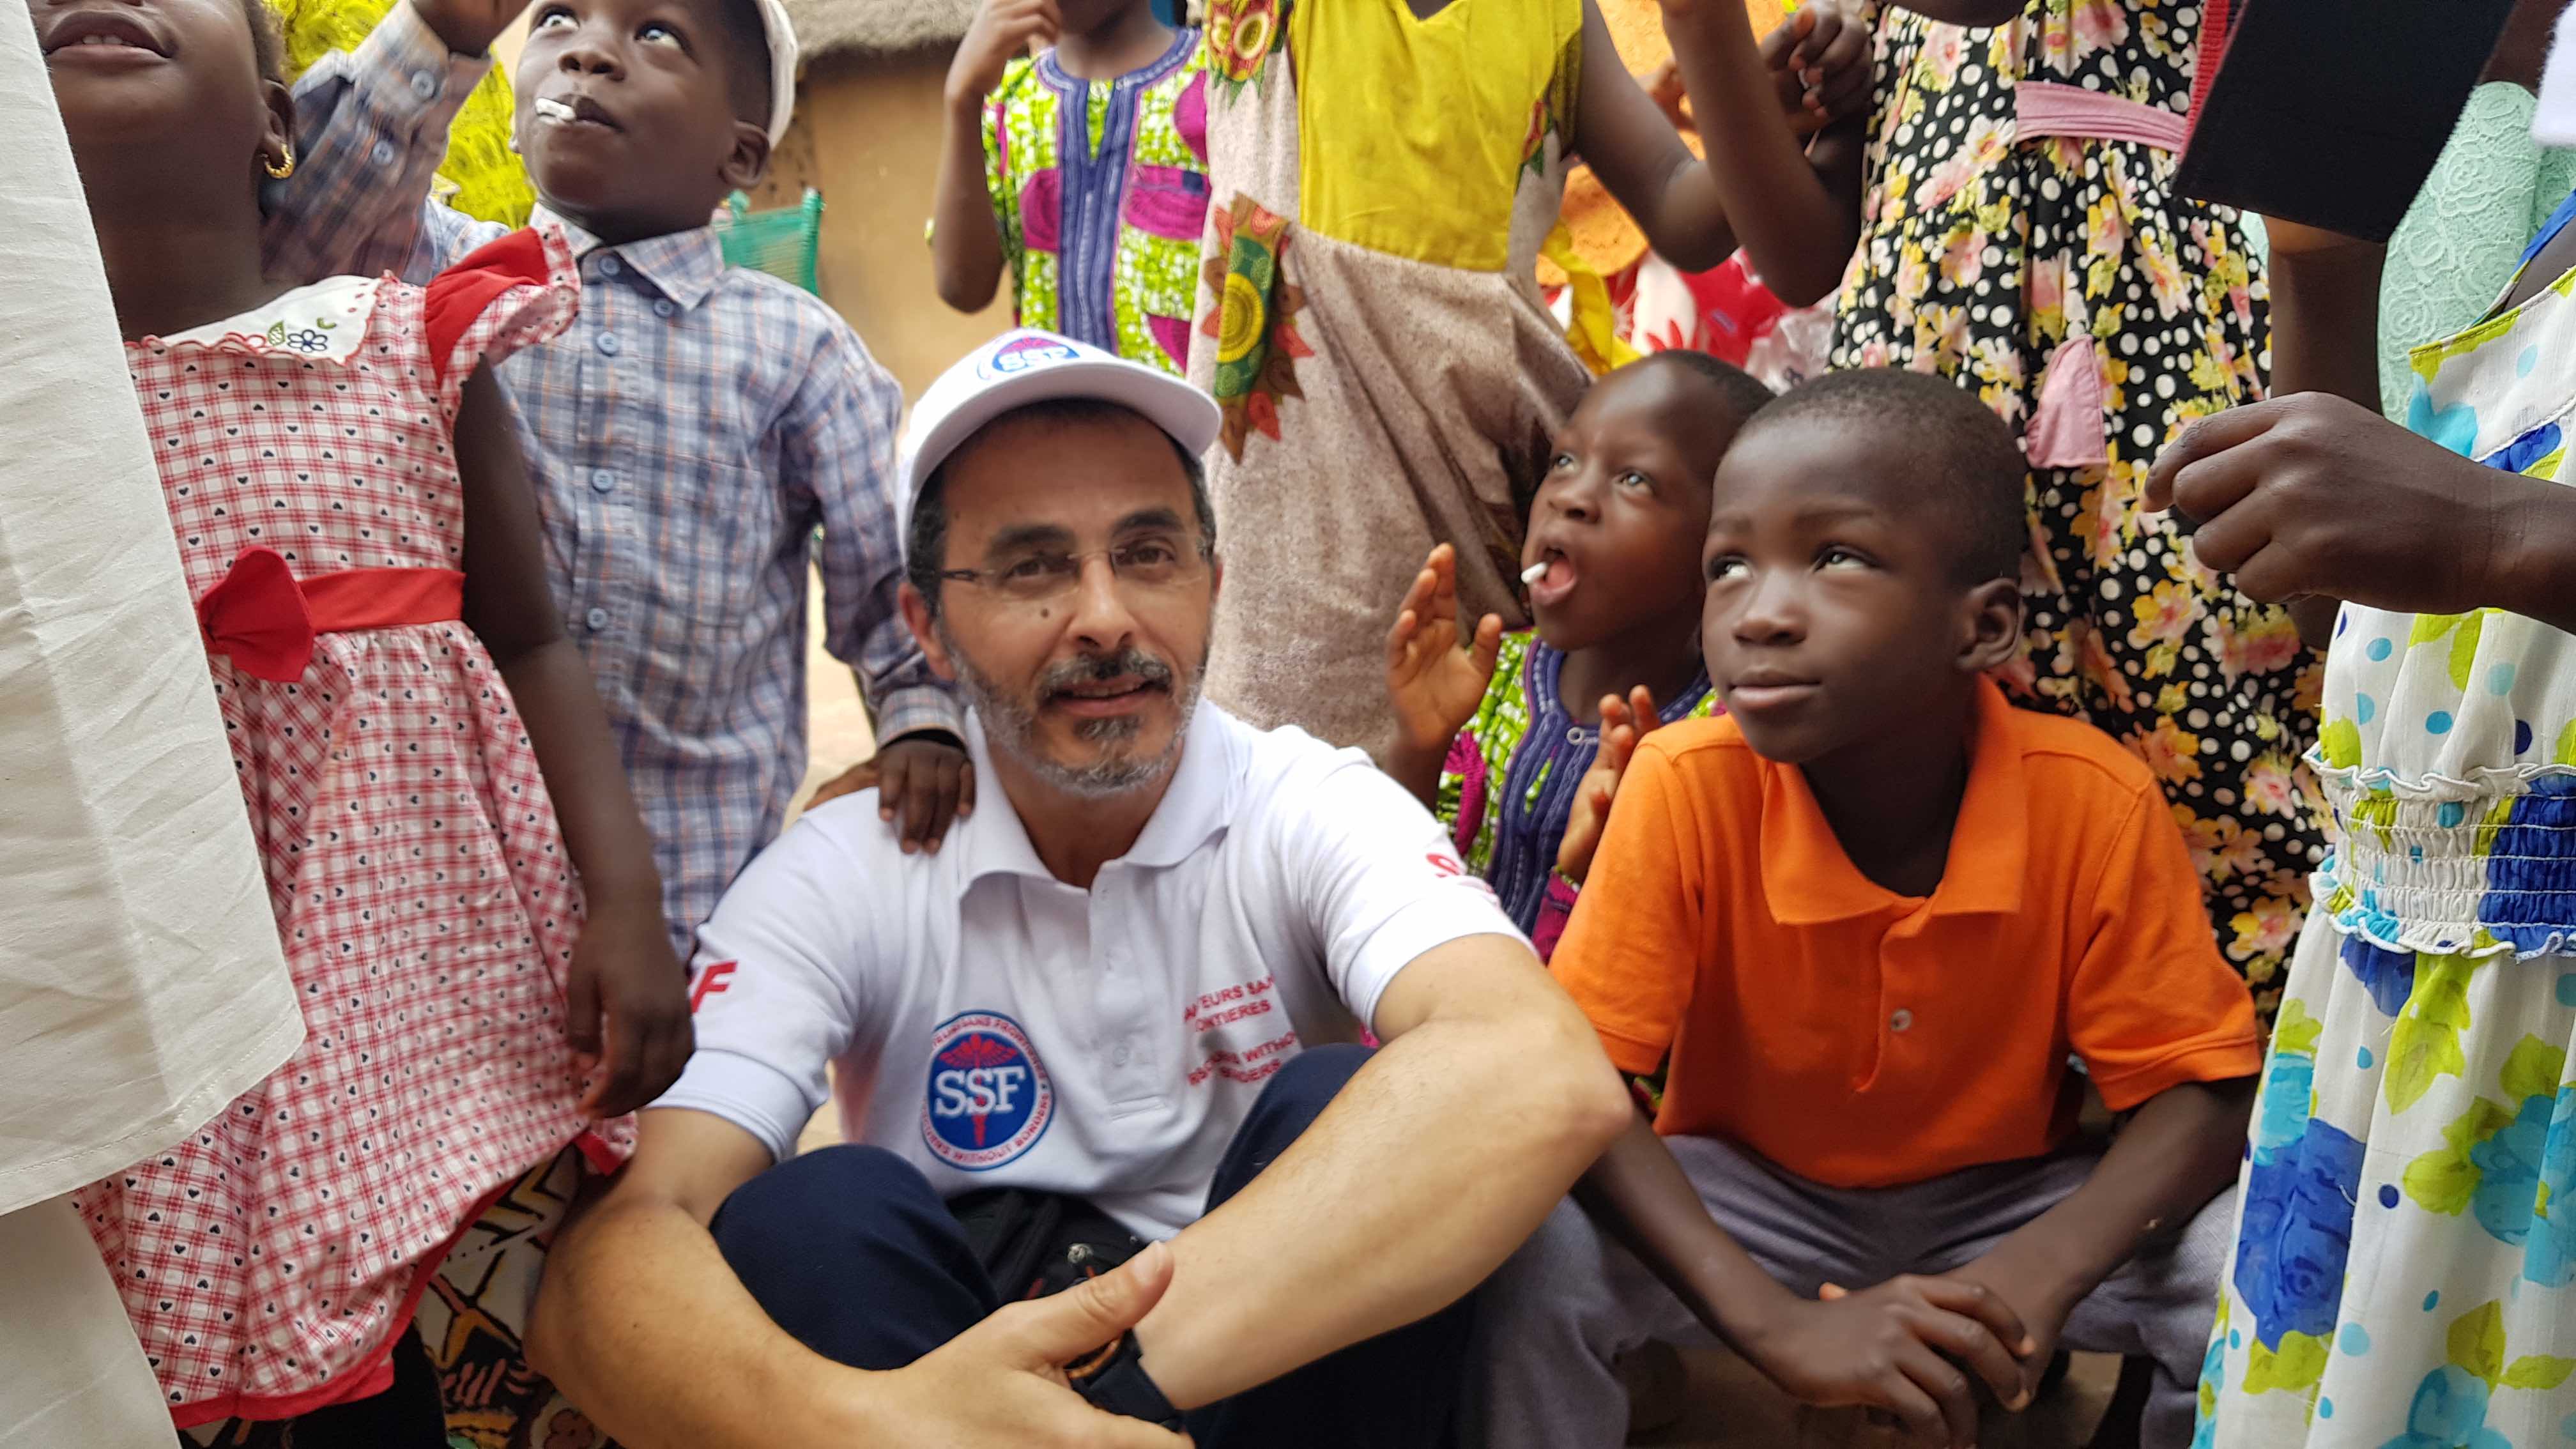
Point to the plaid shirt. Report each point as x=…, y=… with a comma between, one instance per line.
x=686, y=436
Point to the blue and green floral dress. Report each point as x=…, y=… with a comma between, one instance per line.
x=2406, y=1249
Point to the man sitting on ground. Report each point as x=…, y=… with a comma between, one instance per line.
x=1124, y=998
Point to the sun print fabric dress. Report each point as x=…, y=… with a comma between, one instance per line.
x=414, y=861
x=1380, y=186
x=2021, y=234
x=2405, y=1266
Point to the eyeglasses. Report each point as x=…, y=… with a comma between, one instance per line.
x=1038, y=577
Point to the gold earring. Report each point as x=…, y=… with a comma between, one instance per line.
x=280, y=169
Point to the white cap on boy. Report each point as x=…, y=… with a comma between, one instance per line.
x=1029, y=366
x=782, y=66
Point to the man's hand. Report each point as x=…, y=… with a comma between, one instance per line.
x=2314, y=495
x=1000, y=33
x=468, y=27
x=927, y=779
x=1899, y=1348
x=1001, y=1384
x=626, y=1007
x=1434, y=684
x=1819, y=59
x=1623, y=723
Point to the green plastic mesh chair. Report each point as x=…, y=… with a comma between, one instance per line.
x=782, y=243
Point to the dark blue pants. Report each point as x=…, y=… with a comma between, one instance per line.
x=850, y=1250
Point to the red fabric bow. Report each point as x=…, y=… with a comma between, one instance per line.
x=265, y=621
x=257, y=618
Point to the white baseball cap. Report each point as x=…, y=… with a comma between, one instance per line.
x=1027, y=366
x=782, y=66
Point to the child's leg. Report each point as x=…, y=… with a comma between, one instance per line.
x=2157, y=1306
x=1557, y=1317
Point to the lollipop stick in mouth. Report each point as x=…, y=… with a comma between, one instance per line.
x=1534, y=572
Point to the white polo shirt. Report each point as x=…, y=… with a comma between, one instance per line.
x=999, y=1028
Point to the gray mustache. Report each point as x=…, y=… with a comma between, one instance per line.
x=1096, y=668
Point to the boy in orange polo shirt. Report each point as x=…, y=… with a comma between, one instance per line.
x=1869, y=915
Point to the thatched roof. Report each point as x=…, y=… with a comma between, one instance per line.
x=876, y=27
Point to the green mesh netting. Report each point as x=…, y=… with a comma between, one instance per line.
x=490, y=184
x=782, y=243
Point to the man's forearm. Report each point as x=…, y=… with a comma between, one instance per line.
x=2179, y=1151
x=643, y=1324
x=1438, y=1159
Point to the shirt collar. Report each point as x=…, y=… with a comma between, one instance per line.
x=1193, y=811
x=684, y=265
x=1808, y=879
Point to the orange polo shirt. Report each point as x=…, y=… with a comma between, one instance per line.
x=1859, y=1038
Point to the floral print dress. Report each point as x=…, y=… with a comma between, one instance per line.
x=2021, y=234
x=2404, y=1275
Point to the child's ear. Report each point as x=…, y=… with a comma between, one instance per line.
x=748, y=162
x=277, y=138
x=1990, y=626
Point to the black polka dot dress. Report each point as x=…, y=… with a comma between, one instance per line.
x=2011, y=243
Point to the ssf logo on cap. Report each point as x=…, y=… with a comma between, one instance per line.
x=1028, y=366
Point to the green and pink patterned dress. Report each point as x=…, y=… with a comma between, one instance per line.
x=1508, y=788
x=1101, y=192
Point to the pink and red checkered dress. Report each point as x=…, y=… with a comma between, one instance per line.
x=420, y=879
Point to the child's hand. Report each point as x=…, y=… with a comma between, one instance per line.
x=2041, y=1307
x=1819, y=59
x=1435, y=684
x=468, y=27
x=2315, y=495
x=929, y=782
x=1663, y=86
x=627, y=1007
x=1900, y=1348
x=999, y=34
x=1623, y=723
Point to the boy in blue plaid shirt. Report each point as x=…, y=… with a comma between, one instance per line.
x=695, y=426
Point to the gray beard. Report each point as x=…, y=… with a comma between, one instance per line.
x=1011, y=726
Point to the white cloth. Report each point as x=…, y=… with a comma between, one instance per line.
x=70, y=1370
x=141, y=985
x=2553, y=122
x=999, y=1028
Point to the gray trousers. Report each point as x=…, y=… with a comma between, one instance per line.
x=1559, y=1313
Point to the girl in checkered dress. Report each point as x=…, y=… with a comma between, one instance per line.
x=426, y=766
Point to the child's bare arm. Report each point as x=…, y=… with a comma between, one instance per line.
x=2325, y=338
x=623, y=969
x=965, y=237
x=1897, y=1347
x=2179, y=1151
x=1796, y=210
